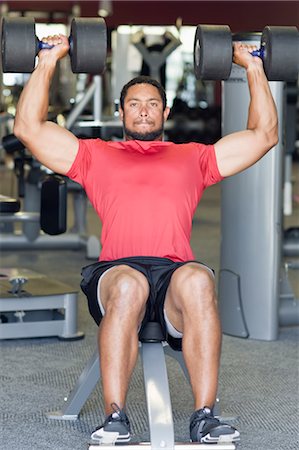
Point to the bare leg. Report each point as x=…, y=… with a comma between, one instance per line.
x=124, y=292
x=191, y=307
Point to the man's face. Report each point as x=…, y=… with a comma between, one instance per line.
x=143, y=116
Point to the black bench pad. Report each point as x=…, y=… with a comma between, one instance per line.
x=9, y=204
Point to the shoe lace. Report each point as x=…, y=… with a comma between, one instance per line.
x=116, y=408
x=200, y=417
x=122, y=417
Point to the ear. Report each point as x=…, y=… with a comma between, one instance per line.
x=121, y=114
x=166, y=113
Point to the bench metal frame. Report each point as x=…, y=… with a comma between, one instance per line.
x=157, y=398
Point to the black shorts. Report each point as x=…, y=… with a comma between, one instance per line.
x=158, y=272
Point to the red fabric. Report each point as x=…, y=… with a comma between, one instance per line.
x=145, y=193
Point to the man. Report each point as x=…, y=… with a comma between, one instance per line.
x=146, y=191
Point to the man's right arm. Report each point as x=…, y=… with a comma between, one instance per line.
x=54, y=146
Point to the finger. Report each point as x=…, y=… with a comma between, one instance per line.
x=52, y=40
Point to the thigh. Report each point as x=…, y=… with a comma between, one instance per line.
x=180, y=290
x=90, y=283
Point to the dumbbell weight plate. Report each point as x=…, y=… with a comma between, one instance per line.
x=281, y=53
x=213, y=52
x=18, y=44
x=88, y=45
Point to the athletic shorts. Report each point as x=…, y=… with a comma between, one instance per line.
x=158, y=272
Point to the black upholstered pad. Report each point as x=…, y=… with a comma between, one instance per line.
x=9, y=204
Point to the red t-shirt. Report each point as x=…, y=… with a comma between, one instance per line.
x=145, y=193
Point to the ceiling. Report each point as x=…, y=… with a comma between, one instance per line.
x=239, y=15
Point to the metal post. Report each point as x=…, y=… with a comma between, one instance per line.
x=97, y=99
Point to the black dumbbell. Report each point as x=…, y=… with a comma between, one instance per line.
x=20, y=45
x=213, y=52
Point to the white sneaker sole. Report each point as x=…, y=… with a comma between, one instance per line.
x=103, y=437
x=223, y=438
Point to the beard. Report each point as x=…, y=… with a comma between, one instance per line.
x=147, y=136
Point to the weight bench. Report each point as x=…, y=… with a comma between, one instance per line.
x=152, y=350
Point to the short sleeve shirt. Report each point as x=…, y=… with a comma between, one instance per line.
x=145, y=193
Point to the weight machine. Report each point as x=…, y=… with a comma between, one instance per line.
x=153, y=58
x=255, y=296
x=29, y=188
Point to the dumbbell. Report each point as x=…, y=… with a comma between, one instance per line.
x=20, y=45
x=213, y=52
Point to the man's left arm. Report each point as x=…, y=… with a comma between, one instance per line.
x=238, y=151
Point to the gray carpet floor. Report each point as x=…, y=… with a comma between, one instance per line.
x=259, y=381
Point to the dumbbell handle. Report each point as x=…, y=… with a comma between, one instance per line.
x=260, y=53
x=44, y=46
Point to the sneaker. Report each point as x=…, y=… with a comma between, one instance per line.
x=115, y=430
x=204, y=427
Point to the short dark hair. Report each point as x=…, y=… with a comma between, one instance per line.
x=142, y=79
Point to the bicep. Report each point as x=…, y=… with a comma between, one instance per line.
x=238, y=151
x=53, y=146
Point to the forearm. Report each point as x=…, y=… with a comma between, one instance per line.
x=262, y=114
x=32, y=110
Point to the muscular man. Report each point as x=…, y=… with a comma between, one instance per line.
x=145, y=192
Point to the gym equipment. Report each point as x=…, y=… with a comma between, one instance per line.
x=53, y=205
x=152, y=350
x=292, y=95
x=6, y=121
x=11, y=144
x=9, y=205
x=213, y=52
x=155, y=59
x=20, y=46
x=52, y=217
x=252, y=297
x=279, y=50
x=177, y=445
x=291, y=242
x=34, y=211
x=44, y=307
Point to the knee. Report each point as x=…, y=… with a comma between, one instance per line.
x=128, y=291
x=195, y=286
x=194, y=277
